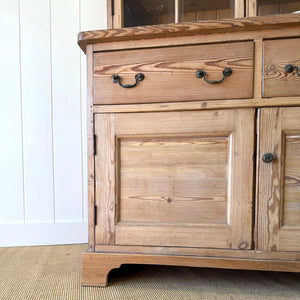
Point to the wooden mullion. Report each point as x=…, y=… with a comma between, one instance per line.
x=178, y=10
x=239, y=8
x=110, y=13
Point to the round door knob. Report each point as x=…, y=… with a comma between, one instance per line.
x=267, y=157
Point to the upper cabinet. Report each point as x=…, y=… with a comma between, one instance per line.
x=128, y=13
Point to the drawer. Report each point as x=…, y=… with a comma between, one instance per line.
x=277, y=55
x=170, y=73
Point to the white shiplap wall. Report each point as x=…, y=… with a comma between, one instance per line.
x=43, y=190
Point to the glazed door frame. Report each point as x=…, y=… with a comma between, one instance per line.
x=115, y=12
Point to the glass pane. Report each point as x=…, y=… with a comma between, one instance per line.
x=271, y=7
x=148, y=12
x=195, y=10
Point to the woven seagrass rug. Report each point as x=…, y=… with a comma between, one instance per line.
x=53, y=272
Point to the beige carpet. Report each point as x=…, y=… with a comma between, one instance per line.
x=53, y=272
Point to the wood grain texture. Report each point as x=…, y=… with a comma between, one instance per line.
x=118, y=14
x=278, y=211
x=187, y=29
x=239, y=9
x=105, y=160
x=198, y=105
x=206, y=252
x=278, y=54
x=258, y=44
x=140, y=190
x=96, y=266
x=217, y=37
x=90, y=149
x=170, y=73
x=150, y=174
x=291, y=194
x=109, y=14
x=251, y=8
x=175, y=177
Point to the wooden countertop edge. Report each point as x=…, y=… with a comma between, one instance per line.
x=187, y=29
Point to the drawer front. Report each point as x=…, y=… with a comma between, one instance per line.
x=277, y=55
x=170, y=73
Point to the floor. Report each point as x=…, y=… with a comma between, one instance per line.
x=53, y=272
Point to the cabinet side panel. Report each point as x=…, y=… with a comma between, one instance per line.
x=90, y=147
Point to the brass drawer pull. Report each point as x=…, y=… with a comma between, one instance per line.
x=117, y=79
x=202, y=74
x=291, y=68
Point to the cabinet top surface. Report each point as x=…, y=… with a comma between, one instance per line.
x=187, y=29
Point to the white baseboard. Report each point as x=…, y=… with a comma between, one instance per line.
x=37, y=234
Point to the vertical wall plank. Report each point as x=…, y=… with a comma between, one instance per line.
x=92, y=17
x=37, y=111
x=11, y=170
x=93, y=14
x=66, y=110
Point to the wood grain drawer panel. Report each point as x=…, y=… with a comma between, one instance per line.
x=278, y=54
x=170, y=73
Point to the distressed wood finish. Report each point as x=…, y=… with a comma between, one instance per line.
x=164, y=202
x=173, y=76
x=105, y=179
x=187, y=29
x=279, y=193
x=278, y=54
x=203, y=252
x=90, y=149
x=161, y=202
x=96, y=266
x=178, y=173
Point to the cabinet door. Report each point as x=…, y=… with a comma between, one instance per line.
x=279, y=180
x=175, y=178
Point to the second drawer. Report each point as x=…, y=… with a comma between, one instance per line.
x=170, y=73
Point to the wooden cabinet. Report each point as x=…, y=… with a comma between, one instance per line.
x=194, y=171
x=128, y=13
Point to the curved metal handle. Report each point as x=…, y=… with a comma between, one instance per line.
x=267, y=157
x=291, y=68
x=117, y=79
x=202, y=74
